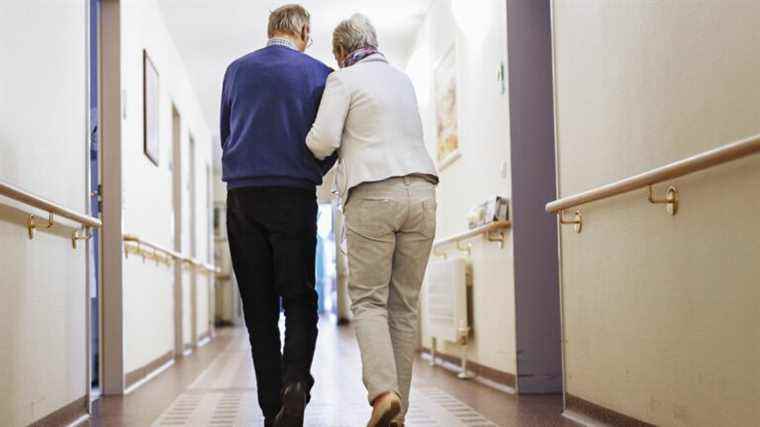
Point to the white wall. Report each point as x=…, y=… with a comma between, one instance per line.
x=227, y=307
x=661, y=313
x=187, y=306
x=43, y=149
x=204, y=288
x=147, y=197
x=484, y=144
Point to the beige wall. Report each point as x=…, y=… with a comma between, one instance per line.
x=484, y=143
x=187, y=307
x=204, y=300
x=43, y=149
x=661, y=313
x=227, y=307
x=147, y=195
x=149, y=311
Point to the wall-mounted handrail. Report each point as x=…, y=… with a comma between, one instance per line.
x=493, y=231
x=212, y=268
x=202, y=267
x=708, y=159
x=207, y=268
x=131, y=238
x=158, y=250
x=27, y=198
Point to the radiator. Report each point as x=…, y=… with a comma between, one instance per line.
x=445, y=313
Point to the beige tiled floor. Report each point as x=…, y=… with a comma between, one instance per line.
x=215, y=386
x=225, y=394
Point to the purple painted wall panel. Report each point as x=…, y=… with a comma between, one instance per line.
x=537, y=297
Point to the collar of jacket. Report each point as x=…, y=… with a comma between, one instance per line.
x=376, y=57
x=281, y=41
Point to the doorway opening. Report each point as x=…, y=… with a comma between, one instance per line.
x=95, y=199
x=193, y=229
x=326, y=263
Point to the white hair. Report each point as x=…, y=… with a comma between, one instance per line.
x=289, y=19
x=356, y=32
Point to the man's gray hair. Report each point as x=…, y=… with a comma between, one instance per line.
x=356, y=32
x=289, y=19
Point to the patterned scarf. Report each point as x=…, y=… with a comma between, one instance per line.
x=358, y=55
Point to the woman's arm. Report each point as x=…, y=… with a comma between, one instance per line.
x=327, y=131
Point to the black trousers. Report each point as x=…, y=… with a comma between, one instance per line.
x=273, y=238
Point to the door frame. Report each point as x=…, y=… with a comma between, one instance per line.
x=112, y=248
x=210, y=253
x=193, y=229
x=177, y=164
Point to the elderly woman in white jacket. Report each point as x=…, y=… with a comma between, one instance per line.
x=387, y=180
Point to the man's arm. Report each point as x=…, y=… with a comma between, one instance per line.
x=327, y=131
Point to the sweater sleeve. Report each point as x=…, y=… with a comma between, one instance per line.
x=327, y=131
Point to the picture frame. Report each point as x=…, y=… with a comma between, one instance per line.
x=445, y=94
x=151, y=97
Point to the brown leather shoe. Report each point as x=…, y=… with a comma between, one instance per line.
x=384, y=409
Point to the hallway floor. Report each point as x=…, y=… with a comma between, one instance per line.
x=216, y=387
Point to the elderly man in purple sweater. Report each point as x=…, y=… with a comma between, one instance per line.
x=269, y=102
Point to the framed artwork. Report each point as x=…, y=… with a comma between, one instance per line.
x=447, y=118
x=151, y=143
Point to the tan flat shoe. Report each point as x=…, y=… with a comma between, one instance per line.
x=384, y=410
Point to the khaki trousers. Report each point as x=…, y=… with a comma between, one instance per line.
x=390, y=226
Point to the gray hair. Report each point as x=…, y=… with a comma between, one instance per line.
x=289, y=19
x=356, y=32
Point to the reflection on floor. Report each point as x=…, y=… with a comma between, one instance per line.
x=224, y=394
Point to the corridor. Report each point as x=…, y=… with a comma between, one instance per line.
x=558, y=199
x=216, y=387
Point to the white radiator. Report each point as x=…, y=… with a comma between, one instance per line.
x=445, y=296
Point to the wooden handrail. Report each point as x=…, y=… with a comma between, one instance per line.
x=177, y=257
x=212, y=269
x=208, y=268
x=19, y=195
x=131, y=238
x=717, y=156
x=482, y=230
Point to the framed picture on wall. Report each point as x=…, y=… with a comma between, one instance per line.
x=151, y=143
x=446, y=114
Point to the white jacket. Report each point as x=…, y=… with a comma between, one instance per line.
x=369, y=114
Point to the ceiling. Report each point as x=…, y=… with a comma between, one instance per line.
x=210, y=34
